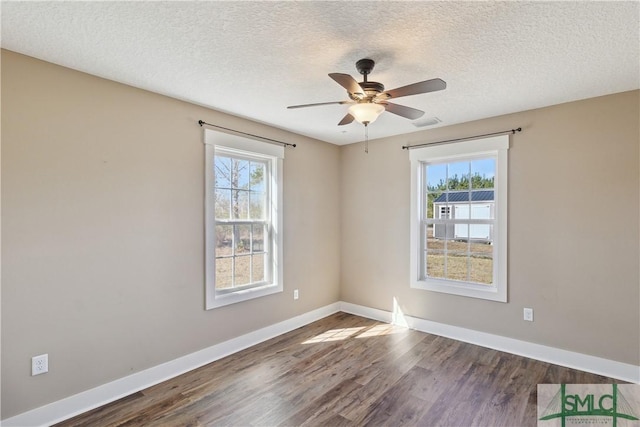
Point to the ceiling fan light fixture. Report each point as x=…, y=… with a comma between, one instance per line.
x=366, y=112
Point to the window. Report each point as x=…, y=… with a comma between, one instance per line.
x=459, y=218
x=243, y=205
x=444, y=212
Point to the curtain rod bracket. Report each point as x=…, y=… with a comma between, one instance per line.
x=272, y=141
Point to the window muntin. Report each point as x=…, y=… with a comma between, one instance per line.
x=457, y=224
x=243, y=219
x=458, y=234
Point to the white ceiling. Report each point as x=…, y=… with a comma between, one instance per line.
x=253, y=59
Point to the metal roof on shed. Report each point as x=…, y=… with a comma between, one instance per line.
x=463, y=196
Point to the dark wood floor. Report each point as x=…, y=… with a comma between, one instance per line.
x=345, y=370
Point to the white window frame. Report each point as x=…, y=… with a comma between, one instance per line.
x=273, y=154
x=496, y=147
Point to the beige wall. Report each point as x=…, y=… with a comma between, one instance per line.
x=102, y=219
x=573, y=229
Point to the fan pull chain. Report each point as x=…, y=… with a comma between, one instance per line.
x=366, y=137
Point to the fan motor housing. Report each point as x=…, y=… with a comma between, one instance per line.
x=371, y=89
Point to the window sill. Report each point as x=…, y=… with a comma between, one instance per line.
x=220, y=299
x=488, y=292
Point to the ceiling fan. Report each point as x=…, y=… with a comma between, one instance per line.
x=369, y=99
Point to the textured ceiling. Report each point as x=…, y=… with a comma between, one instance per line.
x=253, y=59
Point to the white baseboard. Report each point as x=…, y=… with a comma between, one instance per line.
x=74, y=405
x=106, y=393
x=570, y=359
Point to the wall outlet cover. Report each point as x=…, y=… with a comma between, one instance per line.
x=528, y=314
x=39, y=364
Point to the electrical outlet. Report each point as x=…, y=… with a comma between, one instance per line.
x=528, y=314
x=295, y=294
x=39, y=364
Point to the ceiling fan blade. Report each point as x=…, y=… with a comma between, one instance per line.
x=432, y=85
x=318, y=103
x=349, y=83
x=346, y=120
x=403, y=111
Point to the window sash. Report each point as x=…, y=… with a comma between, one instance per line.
x=267, y=250
x=467, y=252
x=266, y=161
x=447, y=208
x=458, y=221
x=266, y=223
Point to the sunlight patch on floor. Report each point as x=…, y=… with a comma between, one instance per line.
x=334, y=335
x=380, y=330
x=345, y=333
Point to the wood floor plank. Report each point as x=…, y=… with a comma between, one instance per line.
x=322, y=408
x=399, y=404
x=346, y=370
x=387, y=374
x=114, y=413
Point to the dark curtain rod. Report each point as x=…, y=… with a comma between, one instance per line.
x=504, y=132
x=273, y=141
